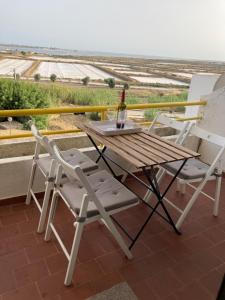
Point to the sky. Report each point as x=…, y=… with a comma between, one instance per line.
x=192, y=29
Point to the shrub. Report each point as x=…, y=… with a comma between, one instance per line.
x=37, y=77
x=111, y=82
x=94, y=116
x=53, y=77
x=85, y=80
x=22, y=95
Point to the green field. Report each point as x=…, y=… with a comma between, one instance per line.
x=20, y=94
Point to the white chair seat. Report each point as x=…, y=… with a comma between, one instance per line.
x=193, y=169
x=110, y=192
x=73, y=157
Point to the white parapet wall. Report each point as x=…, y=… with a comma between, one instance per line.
x=15, y=171
x=213, y=121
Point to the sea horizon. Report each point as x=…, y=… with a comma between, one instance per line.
x=53, y=51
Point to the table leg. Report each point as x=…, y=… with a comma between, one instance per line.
x=101, y=155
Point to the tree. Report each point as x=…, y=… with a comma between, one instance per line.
x=23, y=52
x=111, y=82
x=53, y=77
x=37, y=77
x=85, y=80
x=126, y=86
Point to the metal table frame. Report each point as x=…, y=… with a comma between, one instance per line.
x=153, y=186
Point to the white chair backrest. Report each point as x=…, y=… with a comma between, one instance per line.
x=208, y=136
x=182, y=127
x=41, y=140
x=212, y=138
x=72, y=172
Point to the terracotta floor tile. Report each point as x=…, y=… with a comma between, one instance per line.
x=171, y=297
x=197, y=243
x=112, y=261
x=195, y=259
x=219, y=250
x=30, y=273
x=194, y=291
x=158, y=243
x=211, y=282
x=27, y=292
x=77, y=293
x=51, y=286
x=143, y=291
x=21, y=242
x=187, y=271
x=9, y=231
x=14, y=260
x=42, y=250
x=147, y=267
x=56, y=262
x=28, y=226
x=136, y=272
x=215, y=234
x=165, y=283
x=221, y=268
x=7, y=264
x=7, y=280
x=105, y=282
x=90, y=250
x=5, y=210
x=206, y=260
x=13, y=218
x=86, y=272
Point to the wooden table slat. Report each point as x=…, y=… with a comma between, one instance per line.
x=179, y=147
x=140, y=149
x=126, y=139
x=129, y=150
x=170, y=155
x=165, y=145
x=112, y=146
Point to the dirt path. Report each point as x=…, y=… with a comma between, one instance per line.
x=30, y=71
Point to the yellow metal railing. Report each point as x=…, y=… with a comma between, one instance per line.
x=83, y=109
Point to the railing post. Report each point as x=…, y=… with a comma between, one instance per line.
x=103, y=115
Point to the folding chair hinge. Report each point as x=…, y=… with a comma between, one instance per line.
x=58, y=185
x=80, y=219
x=218, y=175
x=51, y=179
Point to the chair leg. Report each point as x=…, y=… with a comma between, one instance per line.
x=48, y=189
x=109, y=224
x=74, y=251
x=159, y=177
x=31, y=181
x=190, y=203
x=182, y=187
x=217, y=196
x=51, y=216
x=79, y=225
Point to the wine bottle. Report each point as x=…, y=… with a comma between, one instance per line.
x=121, y=112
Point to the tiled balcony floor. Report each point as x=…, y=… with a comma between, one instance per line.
x=165, y=265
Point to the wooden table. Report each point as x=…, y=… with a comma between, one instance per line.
x=144, y=151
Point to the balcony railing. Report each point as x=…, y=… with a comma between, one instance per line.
x=83, y=109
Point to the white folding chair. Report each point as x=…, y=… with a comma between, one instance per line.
x=183, y=130
x=197, y=171
x=47, y=167
x=89, y=198
x=181, y=127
